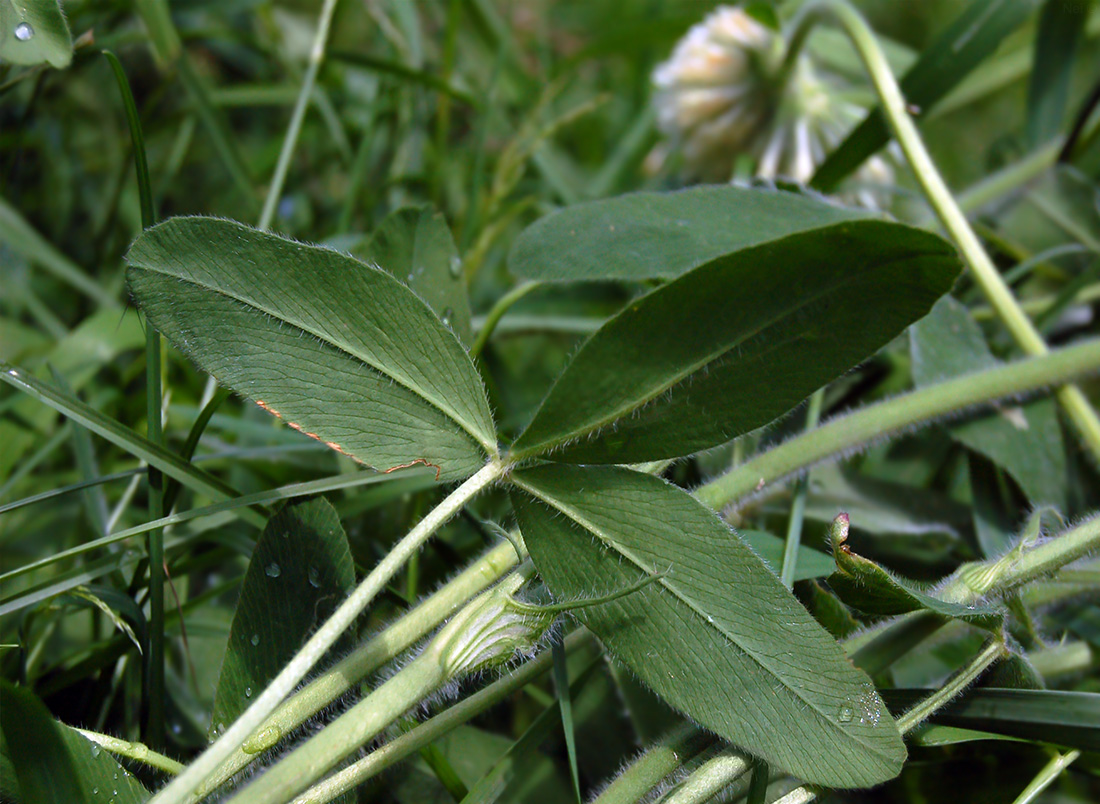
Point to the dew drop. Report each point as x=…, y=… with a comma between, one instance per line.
x=177, y=728
x=116, y=777
x=255, y=639
x=845, y=715
x=248, y=692
x=456, y=266
x=448, y=314
x=273, y=570
x=96, y=750
x=95, y=791
x=409, y=278
x=314, y=577
x=24, y=32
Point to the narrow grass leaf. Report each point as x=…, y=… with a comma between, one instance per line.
x=716, y=635
x=1061, y=29
x=300, y=571
x=53, y=763
x=662, y=235
x=341, y=351
x=1055, y=717
x=753, y=333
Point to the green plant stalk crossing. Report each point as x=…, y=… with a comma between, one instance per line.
x=385, y=646
x=135, y=751
x=183, y=786
x=710, y=779
x=798, y=506
x=954, y=221
x=858, y=429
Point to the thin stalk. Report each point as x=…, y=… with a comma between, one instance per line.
x=954, y=221
x=432, y=729
x=710, y=779
x=798, y=508
x=1051, y=771
x=384, y=647
x=989, y=655
x=401, y=692
x=503, y=304
x=654, y=764
x=856, y=430
x=184, y=786
x=316, y=57
x=1051, y=555
x=135, y=751
x=154, y=395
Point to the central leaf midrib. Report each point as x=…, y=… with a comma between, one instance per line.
x=640, y=565
x=446, y=410
x=678, y=377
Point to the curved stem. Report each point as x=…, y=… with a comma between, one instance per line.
x=954, y=221
x=209, y=761
x=366, y=659
x=316, y=57
x=504, y=303
x=1051, y=771
x=855, y=430
x=135, y=751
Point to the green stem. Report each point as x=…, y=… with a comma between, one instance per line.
x=1051, y=771
x=990, y=654
x=384, y=647
x=136, y=751
x=316, y=57
x=182, y=788
x=798, y=505
x=431, y=730
x=504, y=303
x=943, y=202
x=858, y=429
x=655, y=763
x=1051, y=555
x=364, y=721
x=711, y=778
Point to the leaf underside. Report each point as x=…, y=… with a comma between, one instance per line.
x=340, y=350
x=717, y=635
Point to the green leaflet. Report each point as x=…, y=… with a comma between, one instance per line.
x=341, y=351
x=717, y=635
x=661, y=235
x=734, y=343
x=865, y=585
x=53, y=763
x=34, y=31
x=300, y=571
x=415, y=245
x=1025, y=439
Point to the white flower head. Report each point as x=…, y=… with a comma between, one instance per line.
x=722, y=95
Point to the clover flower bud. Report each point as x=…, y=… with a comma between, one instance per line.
x=722, y=95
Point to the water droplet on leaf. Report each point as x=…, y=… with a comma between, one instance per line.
x=23, y=32
x=456, y=266
x=273, y=570
x=255, y=639
x=845, y=715
x=315, y=577
x=96, y=750
x=248, y=692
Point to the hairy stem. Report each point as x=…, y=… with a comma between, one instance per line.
x=655, y=763
x=184, y=786
x=135, y=751
x=859, y=428
x=710, y=779
x=431, y=730
x=947, y=209
x=375, y=652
